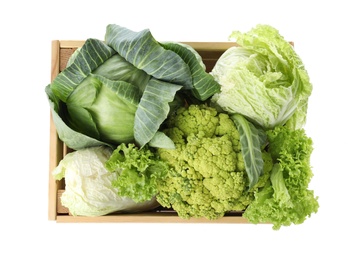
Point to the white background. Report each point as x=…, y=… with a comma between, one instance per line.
x=323, y=32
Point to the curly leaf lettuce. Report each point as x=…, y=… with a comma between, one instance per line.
x=286, y=198
x=139, y=172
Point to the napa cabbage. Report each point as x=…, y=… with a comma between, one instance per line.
x=89, y=185
x=263, y=79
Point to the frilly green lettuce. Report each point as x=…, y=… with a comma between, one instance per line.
x=286, y=199
x=139, y=171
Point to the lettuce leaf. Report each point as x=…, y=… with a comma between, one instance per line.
x=263, y=79
x=286, y=199
x=139, y=172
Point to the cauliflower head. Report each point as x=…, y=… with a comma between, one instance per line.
x=207, y=177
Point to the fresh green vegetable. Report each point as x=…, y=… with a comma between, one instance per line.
x=204, y=85
x=121, y=90
x=167, y=62
x=92, y=104
x=89, y=190
x=286, y=198
x=209, y=176
x=66, y=134
x=263, y=79
x=252, y=141
x=139, y=172
x=145, y=53
x=151, y=127
x=153, y=109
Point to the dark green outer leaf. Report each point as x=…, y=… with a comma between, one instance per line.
x=153, y=109
x=91, y=55
x=71, y=138
x=144, y=52
x=251, y=140
x=204, y=85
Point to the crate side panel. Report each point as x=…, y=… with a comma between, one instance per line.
x=65, y=55
x=56, y=148
x=146, y=218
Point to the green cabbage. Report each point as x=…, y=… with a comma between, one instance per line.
x=89, y=185
x=263, y=79
x=121, y=90
x=96, y=97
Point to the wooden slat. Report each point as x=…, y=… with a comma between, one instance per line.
x=60, y=208
x=71, y=44
x=211, y=46
x=207, y=46
x=65, y=55
x=146, y=218
x=55, y=56
x=55, y=143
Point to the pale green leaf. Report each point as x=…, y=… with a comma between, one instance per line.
x=251, y=141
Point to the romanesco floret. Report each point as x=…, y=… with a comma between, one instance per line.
x=208, y=176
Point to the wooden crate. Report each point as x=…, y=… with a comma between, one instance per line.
x=61, y=51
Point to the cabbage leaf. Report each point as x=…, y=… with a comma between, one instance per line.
x=106, y=107
x=122, y=89
x=204, y=85
x=73, y=139
x=144, y=52
x=92, y=54
x=251, y=142
x=153, y=109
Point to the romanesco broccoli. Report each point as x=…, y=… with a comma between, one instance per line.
x=208, y=176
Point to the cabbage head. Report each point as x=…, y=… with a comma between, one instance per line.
x=89, y=190
x=263, y=79
x=121, y=90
